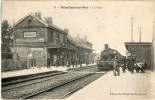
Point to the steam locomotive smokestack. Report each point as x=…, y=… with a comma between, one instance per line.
x=106, y=46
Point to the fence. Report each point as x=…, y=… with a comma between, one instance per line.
x=9, y=64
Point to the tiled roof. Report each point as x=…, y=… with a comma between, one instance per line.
x=33, y=17
x=79, y=42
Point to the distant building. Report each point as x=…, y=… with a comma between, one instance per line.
x=142, y=51
x=84, y=48
x=94, y=57
x=41, y=38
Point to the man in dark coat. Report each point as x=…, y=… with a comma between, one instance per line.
x=73, y=62
x=80, y=61
x=48, y=62
x=128, y=63
x=57, y=62
x=124, y=64
x=132, y=62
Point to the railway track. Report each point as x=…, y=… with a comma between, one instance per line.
x=21, y=89
x=34, y=77
x=80, y=86
x=7, y=82
x=81, y=68
x=30, y=78
x=65, y=89
x=30, y=81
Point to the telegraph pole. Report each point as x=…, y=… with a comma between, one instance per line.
x=152, y=50
x=153, y=43
x=140, y=35
x=132, y=29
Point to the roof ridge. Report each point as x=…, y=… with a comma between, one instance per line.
x=78, y=43
x=26, y=17
x=40, y=20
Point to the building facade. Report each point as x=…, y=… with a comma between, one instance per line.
x=84, y=48
x=142, y=51
x=38, y=39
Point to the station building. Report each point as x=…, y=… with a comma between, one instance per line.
x=84, y=48
x=142, y=51
x=40, y=39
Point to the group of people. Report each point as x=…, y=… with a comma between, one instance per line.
x=74, y=62
x=62, y=62
x=129, y=63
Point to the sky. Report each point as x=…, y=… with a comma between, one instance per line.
x=104, y=22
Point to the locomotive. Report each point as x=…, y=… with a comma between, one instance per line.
x=106, y=59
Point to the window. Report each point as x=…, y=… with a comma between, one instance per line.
x=30, y=23
x=58, y=37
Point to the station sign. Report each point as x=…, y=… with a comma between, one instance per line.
x=30, y=34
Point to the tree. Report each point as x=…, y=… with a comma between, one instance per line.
x=6, y=37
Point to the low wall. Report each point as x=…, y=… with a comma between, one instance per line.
x=9, y=64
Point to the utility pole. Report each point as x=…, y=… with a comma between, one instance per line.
x=152, y=50
x=153, y=43
x=132, y=29
x=140, y=35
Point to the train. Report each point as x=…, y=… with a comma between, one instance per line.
x=106, y=58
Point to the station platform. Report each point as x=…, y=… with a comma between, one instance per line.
x=36, y=70
x=127, y=86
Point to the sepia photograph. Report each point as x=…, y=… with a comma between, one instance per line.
x=78, y=50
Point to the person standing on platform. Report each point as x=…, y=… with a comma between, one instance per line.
x=73, y=62
x=128, y=63
x=60, y=61
x=132, y=62
x=124, y=64
x=69, y=62
x=77, y=62
x=116, y=66
x=57, y=62
x=29, y=60
x=48, y=62
x=63, y=62
x=80, y=62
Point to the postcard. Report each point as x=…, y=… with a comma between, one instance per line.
x=78, y=50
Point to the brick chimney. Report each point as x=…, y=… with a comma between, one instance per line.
x=49, y=20
x=85, y=38
x=31, y=13
x=77, y=35
x=66, y=30
x=38, y=15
